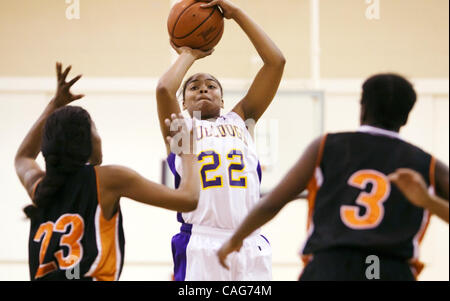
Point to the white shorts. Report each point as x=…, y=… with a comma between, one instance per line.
x=194, y=254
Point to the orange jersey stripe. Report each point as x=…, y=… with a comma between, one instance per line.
x=313, y=186
x=321, y=148
x=33, y=192
x=432, y=184
x=107, y=267
x=106, y=263
x=416, y=265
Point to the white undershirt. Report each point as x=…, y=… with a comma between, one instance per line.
x=378, y=131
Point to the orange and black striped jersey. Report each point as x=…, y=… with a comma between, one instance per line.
x=353, y=204
x=71, y=240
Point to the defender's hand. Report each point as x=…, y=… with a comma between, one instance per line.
x=63, y=96
x=181, y=139
x=412, y=185
x=227, y=248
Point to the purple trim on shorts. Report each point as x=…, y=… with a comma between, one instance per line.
x=173, y=169
x=258, y=169
x=265, y=239
x=179, y=244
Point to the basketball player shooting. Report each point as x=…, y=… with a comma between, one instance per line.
x=230, y=170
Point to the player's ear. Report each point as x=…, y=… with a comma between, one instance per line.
x=184, y=105
x=362, y=114
x=222, y=103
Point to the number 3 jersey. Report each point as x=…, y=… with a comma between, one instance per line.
x=71, y=240
x=230, y=173
x=353, y=204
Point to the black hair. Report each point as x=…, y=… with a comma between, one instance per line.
x=66, y=147
x=387, y=99
x=187, y=81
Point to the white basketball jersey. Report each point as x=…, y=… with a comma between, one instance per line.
x=230, y=173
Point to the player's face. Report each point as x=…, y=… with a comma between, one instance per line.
x=203, y=94
x=96, y=156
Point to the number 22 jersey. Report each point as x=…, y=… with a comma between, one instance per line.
x=230, y=173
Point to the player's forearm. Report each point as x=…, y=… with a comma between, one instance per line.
x=266, y=48
x=258, y=217
x=190, y=183
x=438, y=206
x=170, y=82
x=31, y=144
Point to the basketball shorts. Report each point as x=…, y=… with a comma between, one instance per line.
x=347, y=264
x=194, y=252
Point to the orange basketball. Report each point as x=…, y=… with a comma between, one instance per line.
x=193, y=26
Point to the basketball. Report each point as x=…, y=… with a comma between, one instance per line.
x=193, y=26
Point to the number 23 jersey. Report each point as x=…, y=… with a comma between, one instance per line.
x=71, y=240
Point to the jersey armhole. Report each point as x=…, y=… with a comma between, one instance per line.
x=33, y=192
x=237, y=116
x=99, y=203
x=312, y=182
x=321, y=148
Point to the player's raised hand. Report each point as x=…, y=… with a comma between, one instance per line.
x=412, y=185
x=228, y=8
x=181, y=139
x=227, y=248
x=196, y=53
x=63, y=96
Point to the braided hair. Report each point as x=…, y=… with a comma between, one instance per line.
x=66, y=147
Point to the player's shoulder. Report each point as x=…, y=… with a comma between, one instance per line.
x=231, y=116
x=113, y=175
x=377, y=140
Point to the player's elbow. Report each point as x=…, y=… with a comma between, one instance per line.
x=278, y=61
x=191, y=200
x=281, y=60
x=20, y=155
x=18, y=163
x=162, y=90
x=190, y=203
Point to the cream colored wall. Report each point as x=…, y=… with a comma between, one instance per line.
x=411, y=37
x=129, y=38
x=121, y=48
x=126, y=121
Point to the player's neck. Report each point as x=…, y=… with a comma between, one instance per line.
x=208, y=118
x=376, y=125
x=211, y=119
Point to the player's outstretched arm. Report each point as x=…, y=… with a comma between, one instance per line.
x=413, y=186
x=265, y=85
x=293, y=183
x=25, y=164
x=441, y=176
x=170, y=82
x=118, y=181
